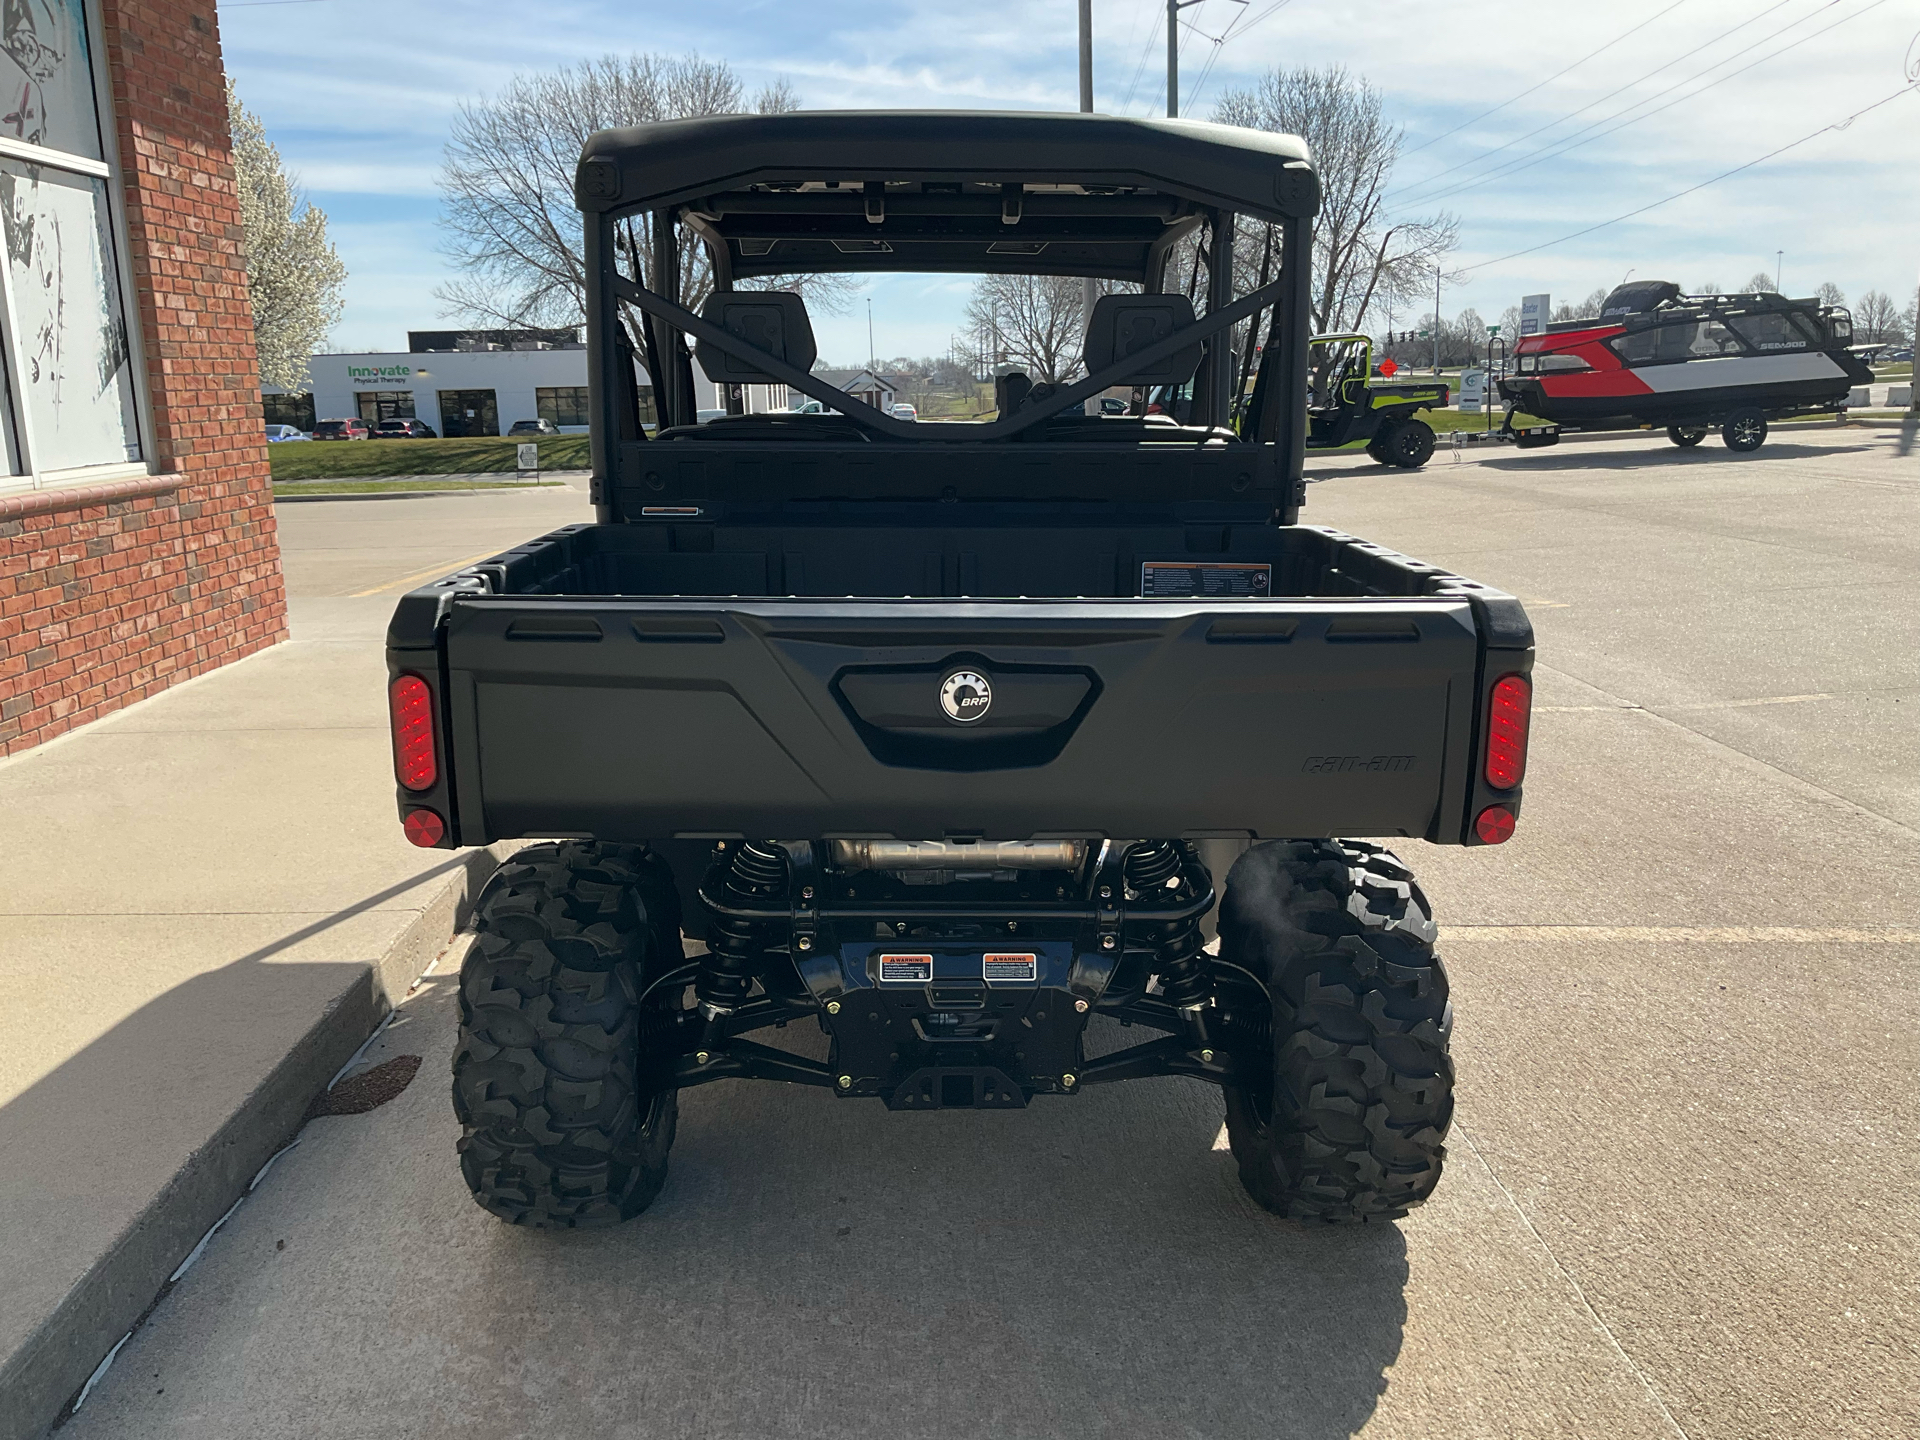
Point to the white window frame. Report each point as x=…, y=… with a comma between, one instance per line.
x=23, y=475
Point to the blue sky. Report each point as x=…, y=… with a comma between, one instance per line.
x=359, y=95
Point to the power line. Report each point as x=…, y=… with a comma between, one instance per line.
x=1906, y=89
x=1620, y=90
x=1555, y=149
x=1230, y=32
x=1590, y=55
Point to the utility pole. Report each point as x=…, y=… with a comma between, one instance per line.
x=1779, y=258
x=1089, y=287
x=1174, y=7
x=873, y=361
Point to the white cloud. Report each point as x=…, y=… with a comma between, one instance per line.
x=361, y=111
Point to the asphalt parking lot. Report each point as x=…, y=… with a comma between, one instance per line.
x=1680, y=1196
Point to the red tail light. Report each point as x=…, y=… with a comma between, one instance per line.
x=1493, y=825
x=411, y=704
x=1508, y=709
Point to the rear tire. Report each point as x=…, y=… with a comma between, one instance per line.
x=1350, y=1122
x=1745, y=430
x=567, y=1119
x=1409, y=445
x=1376, y=453
x=1686, y=436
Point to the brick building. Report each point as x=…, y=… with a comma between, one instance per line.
x=137, y=543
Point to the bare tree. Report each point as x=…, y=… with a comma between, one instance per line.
x=1040, y=320
x=1709, y=287
x=294, y=275
x=1587, y=309
x=1875, y=321
x=1758, y=283
x=1830, y=294
x=1362, y=256
x=1907, y=327
x=507, y=182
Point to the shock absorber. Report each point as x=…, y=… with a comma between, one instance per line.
x=756, y=873
x=1154, y=871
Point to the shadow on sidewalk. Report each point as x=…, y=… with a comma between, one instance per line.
x=120, y=1157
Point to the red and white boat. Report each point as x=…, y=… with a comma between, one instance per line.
x=1689, y=362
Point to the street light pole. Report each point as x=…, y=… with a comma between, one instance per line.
x=1779, y=257
x=1436, y=318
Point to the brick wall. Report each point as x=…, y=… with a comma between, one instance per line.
x=114, y=592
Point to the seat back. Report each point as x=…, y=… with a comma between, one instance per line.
x=772, y=320
x=1122, y=324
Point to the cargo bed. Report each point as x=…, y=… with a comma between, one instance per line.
x=781, y=676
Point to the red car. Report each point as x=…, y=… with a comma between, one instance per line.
x=354, y=429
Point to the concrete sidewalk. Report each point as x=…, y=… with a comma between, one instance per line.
x=209, y=906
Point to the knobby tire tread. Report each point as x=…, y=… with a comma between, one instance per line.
x=1353, y=1124
x=566, y=1122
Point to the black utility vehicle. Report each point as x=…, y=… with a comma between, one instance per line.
x=941, y=735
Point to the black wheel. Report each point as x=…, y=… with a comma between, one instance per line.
x=560, y=1079
x=1376, y=451
x=1745, y=430
x=1350, y=1123
x=1409, y=444
x=1688, y=436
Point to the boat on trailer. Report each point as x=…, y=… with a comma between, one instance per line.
x=1689, y=362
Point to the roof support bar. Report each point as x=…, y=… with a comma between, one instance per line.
x=680, y=318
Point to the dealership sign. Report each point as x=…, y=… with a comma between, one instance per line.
x=379, y=372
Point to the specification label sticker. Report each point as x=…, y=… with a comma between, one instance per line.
x=1182, y=578
x=1010, y=969
x=906, y=969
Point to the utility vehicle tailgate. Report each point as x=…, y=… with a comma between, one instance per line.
x=636, y=719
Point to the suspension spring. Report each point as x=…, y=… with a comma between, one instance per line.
x=756, y=872
x=1186, y=978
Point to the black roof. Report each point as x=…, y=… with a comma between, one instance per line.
x=945, y=189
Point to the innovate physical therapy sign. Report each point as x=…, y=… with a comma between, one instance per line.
x=379, y=372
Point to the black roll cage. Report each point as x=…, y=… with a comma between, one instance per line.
x=1076, y=204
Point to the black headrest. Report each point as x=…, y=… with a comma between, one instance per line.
x=772, y=320
x=1122, y=324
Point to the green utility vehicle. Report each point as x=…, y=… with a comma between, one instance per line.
x=1346, y=405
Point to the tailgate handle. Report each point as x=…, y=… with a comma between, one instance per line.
x=1252, y=630
x=678, y=630
x=555, y=627
x=1357, y=629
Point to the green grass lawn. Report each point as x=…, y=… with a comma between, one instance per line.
x=343, y=459
x=403, y=487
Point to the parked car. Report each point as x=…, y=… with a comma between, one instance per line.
x=405, y=430
x=703, y=417
x=1904, y=353
x=278, y=433
x=533, y=427
x=349, y=429
x=904, y=411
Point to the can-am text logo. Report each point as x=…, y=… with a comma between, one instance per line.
x=965, y=695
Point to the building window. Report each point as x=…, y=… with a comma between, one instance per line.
x=294, y=410
x=378, y=405
x=562, y=404
x=465, y=413
x=69, y=394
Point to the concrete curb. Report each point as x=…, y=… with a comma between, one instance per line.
x=41, y=1379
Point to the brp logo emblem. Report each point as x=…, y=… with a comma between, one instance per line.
x=966, y=696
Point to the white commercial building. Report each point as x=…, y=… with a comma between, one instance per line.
x=470, y=382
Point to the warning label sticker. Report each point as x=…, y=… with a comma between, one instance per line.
x=1179, y=579
x=1010, y=969
x=906, y=969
